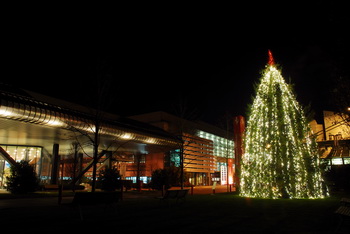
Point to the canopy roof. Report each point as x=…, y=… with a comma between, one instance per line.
x=29, y=118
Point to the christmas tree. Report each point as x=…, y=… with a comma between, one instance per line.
x=280, y=157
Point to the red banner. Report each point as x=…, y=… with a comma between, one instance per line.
x=238, y=132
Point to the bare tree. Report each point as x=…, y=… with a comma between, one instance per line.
x=99, y=99
x=341, y=99
x=185, y=112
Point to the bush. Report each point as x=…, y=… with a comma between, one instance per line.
x=109, y=179
x=338, y=177
x=23, y=178
x=166, y=177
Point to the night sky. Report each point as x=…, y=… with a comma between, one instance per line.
x=207, y=57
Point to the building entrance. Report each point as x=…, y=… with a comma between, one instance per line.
x=198, y=178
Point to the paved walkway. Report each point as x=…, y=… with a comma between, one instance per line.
x=39, y=213
x=53, y=201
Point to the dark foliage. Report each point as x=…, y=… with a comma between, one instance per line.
x=167, y=177
x=338, y=177
x=23, y=178
x=109, y=179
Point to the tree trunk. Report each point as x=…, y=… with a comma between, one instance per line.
x=182, y=166
x=95, y=159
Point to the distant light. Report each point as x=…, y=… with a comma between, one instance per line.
x=56, y=123
x=126, y=136
x=4, y=112
x=151, y=140
x=337, y=161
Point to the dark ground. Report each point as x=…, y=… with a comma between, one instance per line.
x=221, y=212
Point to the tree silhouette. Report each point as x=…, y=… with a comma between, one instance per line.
x=23, y=178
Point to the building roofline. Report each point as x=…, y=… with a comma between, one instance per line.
x=200, y=125
x=31, y=107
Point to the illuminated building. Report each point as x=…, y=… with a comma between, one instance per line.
x=56, y=137
x=208, y=150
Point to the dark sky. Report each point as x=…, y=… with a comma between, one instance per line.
x=207, y=56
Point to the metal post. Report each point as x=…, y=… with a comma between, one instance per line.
x=214, y=186
x=121, y=189
x=55, y=164
x=60, y=190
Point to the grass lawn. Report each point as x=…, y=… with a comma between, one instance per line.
x=219, y=213
x=227, y=213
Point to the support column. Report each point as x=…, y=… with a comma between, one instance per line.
x=55, y=164
x=138, y=172
x=80, y=165
x=108, y=162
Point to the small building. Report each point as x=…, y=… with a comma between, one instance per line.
x=333, y=138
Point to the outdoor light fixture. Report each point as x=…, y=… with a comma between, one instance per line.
x=126, y=136
x=6, y=113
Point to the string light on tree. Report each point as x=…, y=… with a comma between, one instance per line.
x=280, y=157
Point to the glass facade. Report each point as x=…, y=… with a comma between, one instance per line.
x=223, y=150
x=35, y=155
x=144, y=179
x=4, y=171
x=222, y=146
x=340, y=161
x=220, y=164
x=175, y=158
